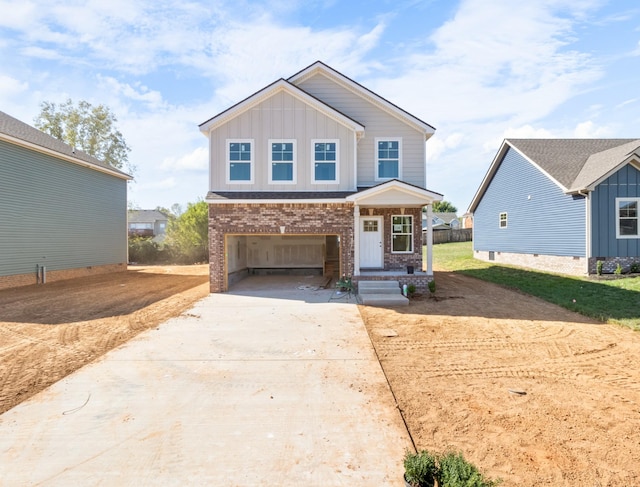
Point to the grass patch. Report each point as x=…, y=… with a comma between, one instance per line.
x=612, y=301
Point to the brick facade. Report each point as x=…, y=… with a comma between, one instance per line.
x=399, y=262
x=277, y=219
x=18, y=280
x=576, y=266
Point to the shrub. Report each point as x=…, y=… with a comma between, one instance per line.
x=618, y=270
x=143, y=250
x=635, y=267
x=432, y=286
x=456, y=471
x=420, y=469
x=599, y=265
x=411, y=289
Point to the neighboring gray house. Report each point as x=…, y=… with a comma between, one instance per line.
x=316, y=172
x=63, y=213
x=560, y=205
x=442, y=221
x=148, y=223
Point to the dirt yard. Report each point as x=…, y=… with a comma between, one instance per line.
x=529, y=392
x=48, y=331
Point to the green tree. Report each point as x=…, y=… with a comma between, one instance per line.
x=89, y=128
x=188, y=233
x=444, y=207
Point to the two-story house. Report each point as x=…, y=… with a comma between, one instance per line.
x=148, y=223
x=317, y=172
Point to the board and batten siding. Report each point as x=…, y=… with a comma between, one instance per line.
x=281, y=116
x=58, y=214
x=604, y=243
x=542, y=219
x=378, y=124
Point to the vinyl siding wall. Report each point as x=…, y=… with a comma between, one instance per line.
x=378, y=124
x=58, y=214
x=624, y=183
x=541, y=218
x=282, y=116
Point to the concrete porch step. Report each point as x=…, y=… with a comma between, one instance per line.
x=384, y=300
x=381, y=293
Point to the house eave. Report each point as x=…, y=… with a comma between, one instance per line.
x=64, y=157
x=267, y=92
x=370, y=96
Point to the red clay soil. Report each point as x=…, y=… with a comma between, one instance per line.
x=528, y=391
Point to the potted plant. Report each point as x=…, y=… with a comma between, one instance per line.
x=420, y=469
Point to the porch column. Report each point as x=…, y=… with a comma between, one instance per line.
x=429, y=240
x=356, y=240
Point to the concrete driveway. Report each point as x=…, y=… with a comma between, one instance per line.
x=259, y=387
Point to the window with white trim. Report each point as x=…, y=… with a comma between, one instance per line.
x=503, y=220
x=239, y=161
x=388, y=158
x=627, y=217
x=324, y=157
x=282, y=161
x=402, y=234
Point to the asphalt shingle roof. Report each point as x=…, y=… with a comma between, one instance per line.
x=15, y=128
x=565, y=159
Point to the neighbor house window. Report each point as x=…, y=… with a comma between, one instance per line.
x=388, y=158
x=503, y=220
x=282, y=160
x=627, y=217
x=240, y=161
x=402, y=234
x=324, y=157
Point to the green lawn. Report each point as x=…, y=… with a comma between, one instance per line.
x=612, y=301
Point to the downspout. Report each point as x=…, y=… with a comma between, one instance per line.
x=587, y=196
x=429, y=240
x=356, y=240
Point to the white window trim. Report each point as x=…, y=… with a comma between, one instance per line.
x=375, y=148
x=617, y=210
x=228, y=142
x=394, y=233
x=313, y=161
x=294, y=163
x=506, y=220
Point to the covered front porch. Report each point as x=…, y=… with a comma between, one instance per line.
x=388, y=234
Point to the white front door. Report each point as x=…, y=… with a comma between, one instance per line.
x=371, y=242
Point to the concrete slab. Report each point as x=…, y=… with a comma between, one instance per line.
x=242, y=390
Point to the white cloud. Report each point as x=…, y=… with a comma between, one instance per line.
x=196, y=160
x=588, y=130
x=138, y=92
x=436, y=145
x=523, y=132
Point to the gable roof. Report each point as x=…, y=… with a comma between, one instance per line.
x=270, y=90
x=386, y=105
x=145, y=216
x=575, y=165
x=17, y=132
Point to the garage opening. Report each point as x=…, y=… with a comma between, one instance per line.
x=285, y=255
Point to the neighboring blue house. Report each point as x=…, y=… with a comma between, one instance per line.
x=63, y=213
x=560, y=205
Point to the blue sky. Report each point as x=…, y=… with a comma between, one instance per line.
x=477, y=70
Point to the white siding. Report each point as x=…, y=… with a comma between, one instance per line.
x=281, y=116
x=378, y=124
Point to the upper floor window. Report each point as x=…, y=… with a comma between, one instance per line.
x=402, y=234
x=627, y=218
x=282, y=159
x=240, y=161
x=324, y=158
x=503, y=220
x=388, y=158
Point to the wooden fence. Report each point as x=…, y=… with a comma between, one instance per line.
x=451, y=235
